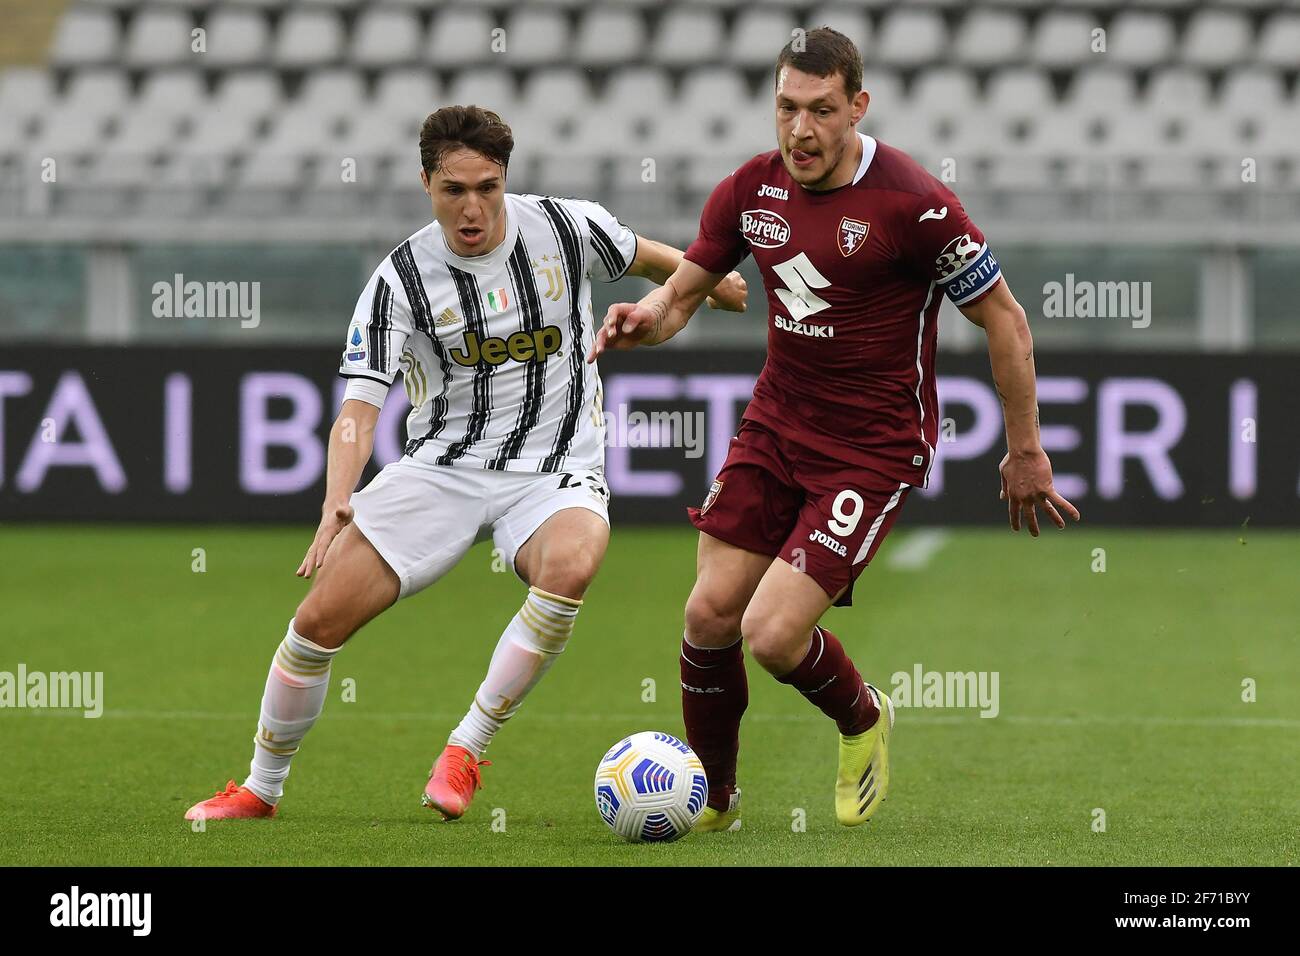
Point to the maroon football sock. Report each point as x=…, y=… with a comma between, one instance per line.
x=829, y=680
x=714, y=697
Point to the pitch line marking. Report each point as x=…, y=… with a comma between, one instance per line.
x=914, y=552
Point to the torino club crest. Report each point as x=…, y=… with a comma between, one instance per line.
x=853, y=233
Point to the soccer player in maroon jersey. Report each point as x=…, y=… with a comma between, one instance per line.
x=856, y=243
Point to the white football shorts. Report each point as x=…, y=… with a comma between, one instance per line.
x=422, y=518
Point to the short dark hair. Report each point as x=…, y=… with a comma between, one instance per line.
x=825, y=52
x=467, y=127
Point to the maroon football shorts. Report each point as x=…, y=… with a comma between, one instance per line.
x=819, y=515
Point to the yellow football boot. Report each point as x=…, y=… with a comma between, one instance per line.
x=721, y=821
x=863, y=780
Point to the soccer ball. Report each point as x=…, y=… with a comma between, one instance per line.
x=650, y=787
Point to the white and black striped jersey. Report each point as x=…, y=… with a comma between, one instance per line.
x=492, y=349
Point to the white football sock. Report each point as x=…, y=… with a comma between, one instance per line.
x=528, y=647
x=294, y=696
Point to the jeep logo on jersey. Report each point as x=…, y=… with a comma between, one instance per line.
x=521, y=346
x=764, y=228
x=853, y=233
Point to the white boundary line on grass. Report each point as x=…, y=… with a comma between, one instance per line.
x=905, y=716
x=914, y=552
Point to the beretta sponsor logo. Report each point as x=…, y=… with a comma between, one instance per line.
x=764, y=228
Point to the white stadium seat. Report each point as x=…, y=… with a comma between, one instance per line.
x=337, y=92
x=757, y=37
x=26, y=92
x=160, y=38
x=557, y=92
x=1177, y=91
x=1279, y=41
x=407, y=91
x=309, y=37
x=237, y=38
x=1020, y=92
x=460, y=37
x=536, y=38
x=386, y=36
x=910, y=38
x=1140, y=39
x=1063, y=38
x=886, y=89
x=1252, y=91
x=85, y=36
x=176, y=92
x=990, y=38
x=1217, y=38
x=850, y=21
x=1098, y=91
x=96, y=92
x=946, y=91
x=637, y=92
x=492, y=89
x=688, y=38
x=609, y=37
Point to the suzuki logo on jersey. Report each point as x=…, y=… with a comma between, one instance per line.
x=521, y=346
x=853, y=233
x=776, y=192
x=822, y=538
x=764, y=228
x=798, y=328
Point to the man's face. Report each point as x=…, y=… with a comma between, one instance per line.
x=815, y=126
x=469, y=201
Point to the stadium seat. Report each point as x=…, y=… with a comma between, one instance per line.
x=1019, y=93
x=1252, y=91
x=990, y=38
x=850, y=21
x=689, y=37
x=460, y=37
x=85, y=36
x=1279, y=41
x=1217, y=38
x=237, y=38
x=944, y=91
x=385, y=37
x=536, y=38
x=413, y=91
x=1063, y=38
x=1097, y=91
x=309, y=37
x=758, y=36
x=101, y=91
x=557, y=92
x=1140, y=39
x=638, y=92
x=886, y=89
x=1177, y=91
x=338, y=92
x=492, y=89
x=26, y=92
x=609, y=37
x=910, y=38
x=172, y=92
x=159, y=38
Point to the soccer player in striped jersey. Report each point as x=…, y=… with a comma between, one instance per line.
x=857, y=244
x=487, y=313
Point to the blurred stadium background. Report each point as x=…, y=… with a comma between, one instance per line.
x=273, y=142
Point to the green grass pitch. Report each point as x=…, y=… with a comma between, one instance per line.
x=1119, y=691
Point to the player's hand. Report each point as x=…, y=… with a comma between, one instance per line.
x=1026, y=485
x=333, y=520
x=729, y=295
x=626, y=326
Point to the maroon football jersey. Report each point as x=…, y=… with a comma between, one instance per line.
x=854, y=277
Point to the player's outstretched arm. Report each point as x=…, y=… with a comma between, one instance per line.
x=1025, y=470
x=666, y=310
x=351, y=441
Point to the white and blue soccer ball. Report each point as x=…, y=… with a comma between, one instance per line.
x=650, y=787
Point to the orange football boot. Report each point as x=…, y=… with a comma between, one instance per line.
x=452, y=782
x=234, y=801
